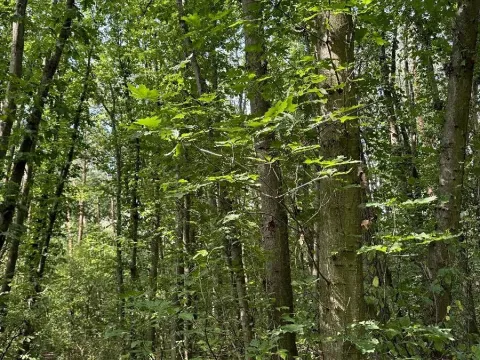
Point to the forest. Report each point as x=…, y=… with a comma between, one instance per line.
x=239, y=179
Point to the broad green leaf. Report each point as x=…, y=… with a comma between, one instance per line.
x=207, y=97
x=149, y=122
x=143, y=93
x=202, y=253
x=186, y=316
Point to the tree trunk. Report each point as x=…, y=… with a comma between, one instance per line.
x=69, y=232
x=182, y=244
x=340, y=217
x=117, y=213
x=15, y=245
x=27, y=147
x=81, y=204
x=15, y=72
x=189, y=51
x=274, y=228
x=64, y=176
x=134, y=214
x=237, y=268
x=153, y=276
x=452, y=155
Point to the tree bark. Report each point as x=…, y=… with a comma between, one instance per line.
x=452, y=156
x=27, y=147
x=182, y=244
x=274, y=228
x=153, y=275
x=237, y=268
x=81, y=204
x=118, y=204
x=15, y=72
x=135, y=214
x=64, y=176
x=340, y=217
x=11, y=264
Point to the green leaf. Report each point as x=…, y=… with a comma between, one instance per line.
x=376, y=282
x=207, y=97
x=230, y=217
x=292, y=328
x=143, y=93
x=202, y=253
x=149, y=122
x=186, y=316
x=380, y=41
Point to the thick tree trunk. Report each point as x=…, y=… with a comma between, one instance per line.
x=452, y=154
x=274, y=228
x=15, y=72
x=340, y=216
x=27, y=147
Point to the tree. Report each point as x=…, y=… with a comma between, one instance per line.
x=452, y=155
x=274, y=227
x=339, y=232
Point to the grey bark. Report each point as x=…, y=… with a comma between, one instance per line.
x=452, y=153
x=340, y=216
x=274, y=226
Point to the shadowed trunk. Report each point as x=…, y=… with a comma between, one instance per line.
x=452, y=156
x=274, y=227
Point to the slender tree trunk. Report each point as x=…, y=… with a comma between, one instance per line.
x=27, y=147
x=69, y=232
x=134, y=214
x=388, y=76
x=237, y=268
x=15, y=72
x=112, y=113
x=118, y=209
x=182, y=240
x=189, y=51
x=465, y=261
x=15, y=245
x=340, y=217
x=64, y=176
x=452, y=154
x=153, y=276
x=468, y=293
x=185, y=232
x=81, y=204
x=274, y=228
